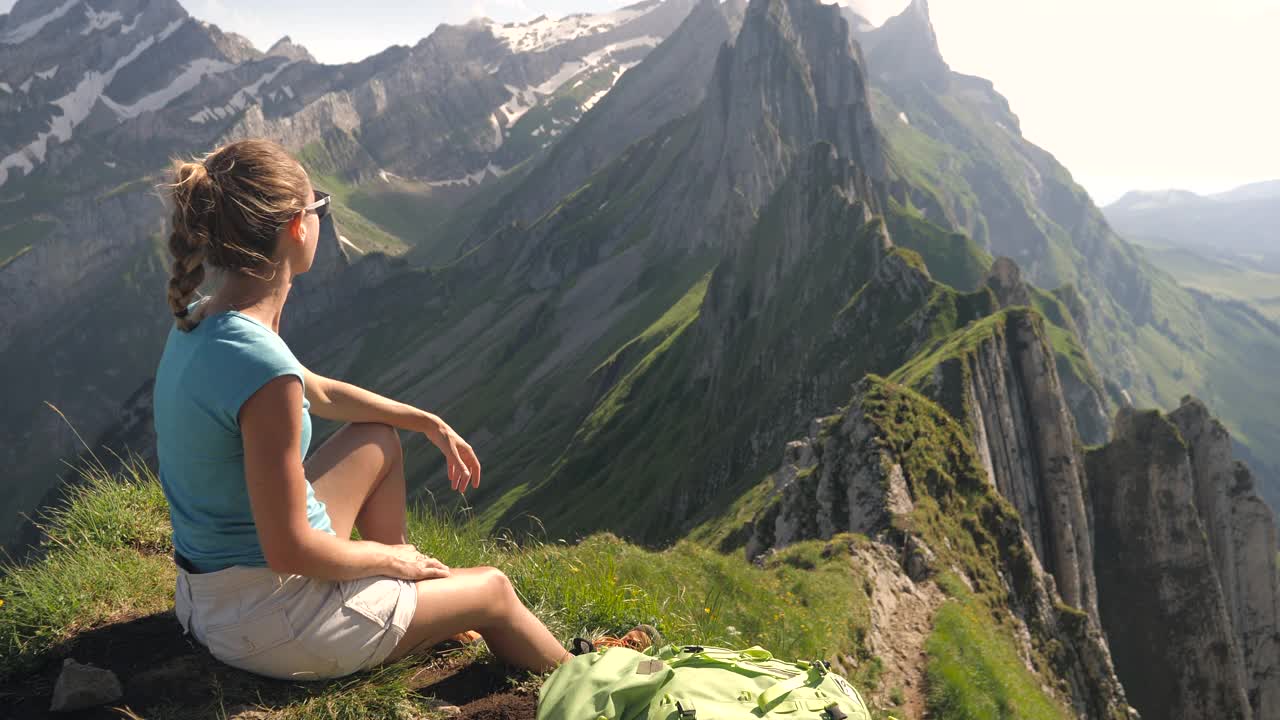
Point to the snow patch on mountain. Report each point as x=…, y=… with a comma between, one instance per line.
x=6, y=87
x=544, y=33
x=570, y=69
x=170, y=29
x=474, y=178
x=241, y=99
x=191, y=75
x=522, y=100
x=31, y=28
x=76, y=106
x=26, y=84
x=497, y=130
x=100, y=20
x=48, y=74
x=591, y=101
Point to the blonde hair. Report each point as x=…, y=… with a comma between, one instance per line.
x=228, y=208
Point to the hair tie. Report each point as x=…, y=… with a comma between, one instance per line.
x=182, y=313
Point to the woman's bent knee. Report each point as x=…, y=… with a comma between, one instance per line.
x=382, y=436
x=378, y=433
x=499, y=590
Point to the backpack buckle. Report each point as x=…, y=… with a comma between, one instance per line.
x=835, y=712
x=649, y=667
x=691, y=649
x=686, y=710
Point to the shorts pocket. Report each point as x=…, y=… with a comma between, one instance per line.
x=249, y=637
x=373, y=597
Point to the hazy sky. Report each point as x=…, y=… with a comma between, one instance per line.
x=1127, y=94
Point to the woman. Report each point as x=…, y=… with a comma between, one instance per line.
x=269, y=579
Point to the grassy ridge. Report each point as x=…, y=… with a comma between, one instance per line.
x=974, y=669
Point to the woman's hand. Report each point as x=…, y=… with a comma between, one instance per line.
x=406, y=563
x=464, y=466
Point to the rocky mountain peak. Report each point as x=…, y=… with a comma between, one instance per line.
x=285, y=47
x=907, y=45
x=1005, y=280
x=795, y=68
x=792, y=78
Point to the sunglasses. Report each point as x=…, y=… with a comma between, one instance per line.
x=321, y=206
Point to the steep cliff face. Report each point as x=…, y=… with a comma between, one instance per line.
x=1161, y=597
x=1081, y=385
x=1241, y=529
x=1000, y=376
x=898, y=469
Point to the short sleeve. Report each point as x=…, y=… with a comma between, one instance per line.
x=240, y=363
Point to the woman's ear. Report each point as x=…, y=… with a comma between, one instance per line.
x=298, y=227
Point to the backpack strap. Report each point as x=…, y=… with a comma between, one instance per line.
x=779, y=689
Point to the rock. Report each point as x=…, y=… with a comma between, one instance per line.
x=918, y=560
x=443, y=708
x=1161, y=602
x=1005, y=280
x=84, y=686
x=1242, y=536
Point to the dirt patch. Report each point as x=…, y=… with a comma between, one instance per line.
x=901, y=620
x=461, y=681
x=507, y=706
x=482, y=691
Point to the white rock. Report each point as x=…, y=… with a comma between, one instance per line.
x=83, y=686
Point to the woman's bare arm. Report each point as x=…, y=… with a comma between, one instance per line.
x=271, y=427
x=336, y=400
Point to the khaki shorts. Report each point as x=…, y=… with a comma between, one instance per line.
x=293, y=627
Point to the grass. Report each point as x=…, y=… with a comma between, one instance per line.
x=105, y=559
x=952, y=258
x=1227, y=277
x=974, y=671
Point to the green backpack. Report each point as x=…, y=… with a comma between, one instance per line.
x=696, y=683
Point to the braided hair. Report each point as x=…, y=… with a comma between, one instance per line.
x=228, y=209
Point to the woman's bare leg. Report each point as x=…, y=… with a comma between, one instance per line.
x=358, y=474
x=481, y=599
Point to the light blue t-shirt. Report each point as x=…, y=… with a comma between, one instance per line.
x=204, y=377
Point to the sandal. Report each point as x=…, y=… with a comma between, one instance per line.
x=639, y=638
x=464, y=639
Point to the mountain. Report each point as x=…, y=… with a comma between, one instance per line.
x=103, y=94
x=1235, y=225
